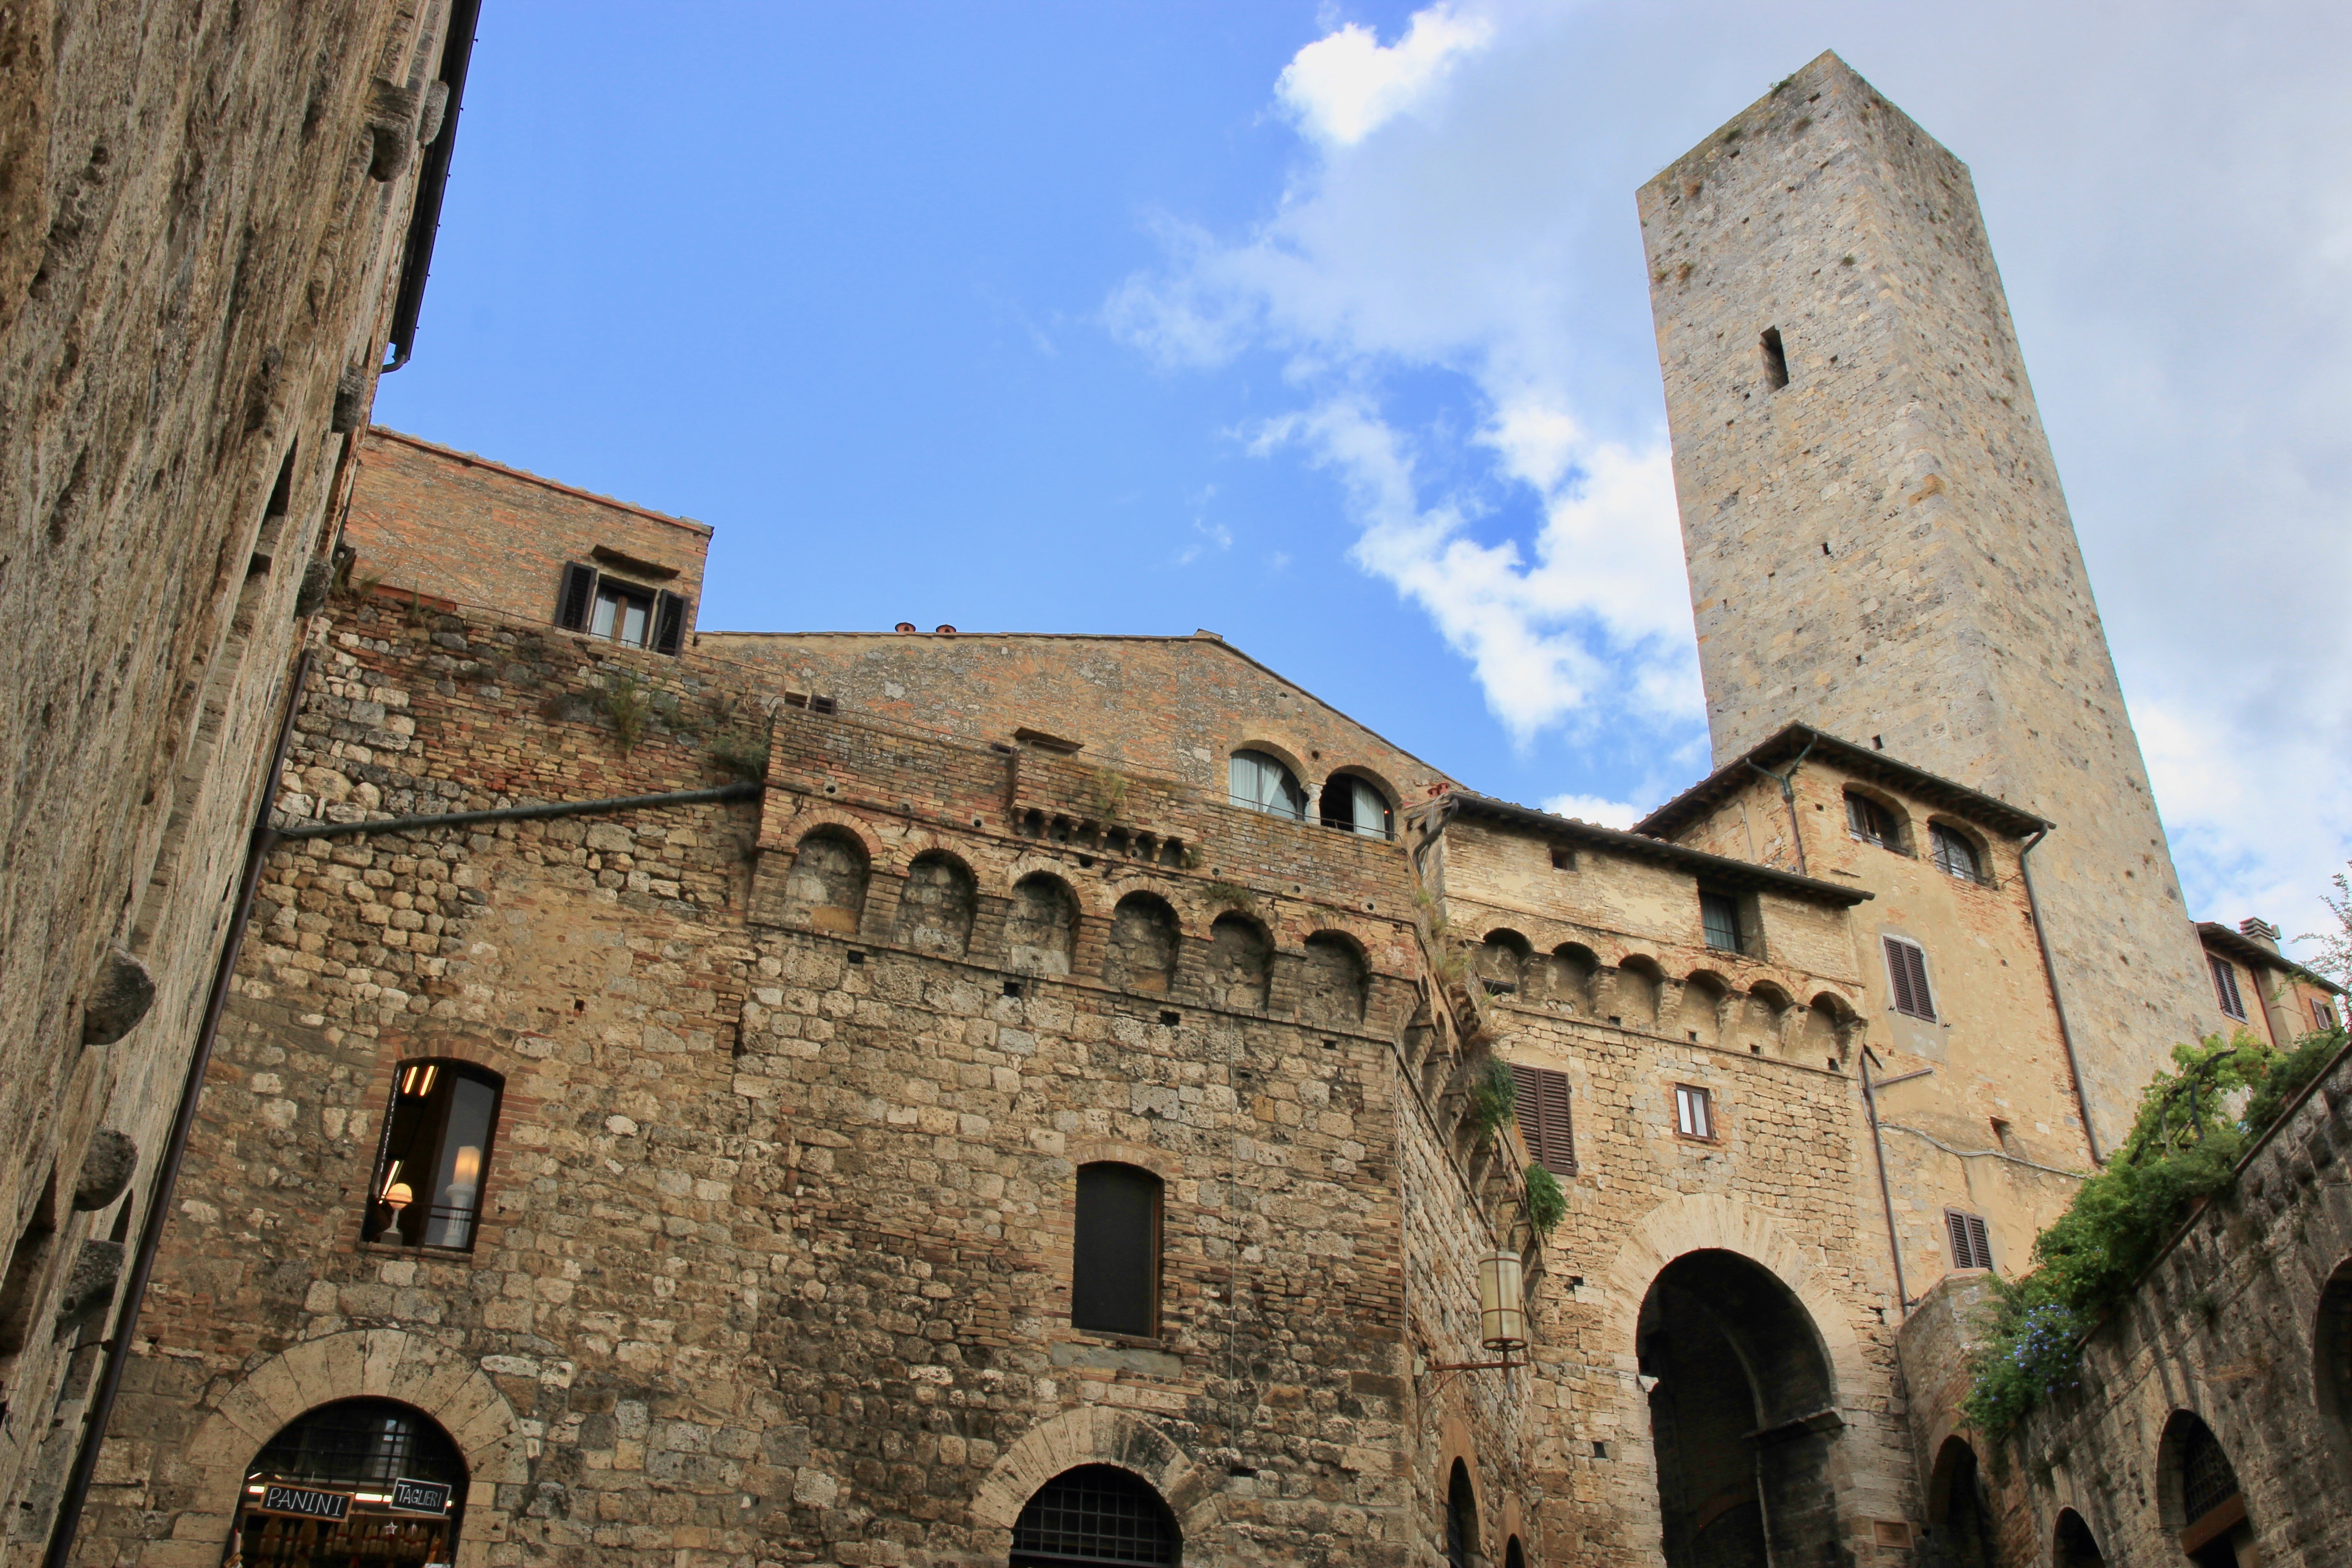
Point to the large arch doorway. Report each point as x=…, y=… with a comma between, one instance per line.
x=1742, y=1416
x=1959, y=1523
x=1097, y=1516
x=358, y=1480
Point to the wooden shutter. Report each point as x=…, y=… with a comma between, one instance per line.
x=669, y=623
x=576, y=597
x=1971, y=1245
x=1544, y=1120
x=1906, y=968
x=1115, y=1262
x=2225, y=987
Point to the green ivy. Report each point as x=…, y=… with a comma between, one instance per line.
x=1547, y=1205
x=2183, y=1147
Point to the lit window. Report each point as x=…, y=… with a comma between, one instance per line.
x=1115, y=1262
x=1353, y=805
x=1906, y=970
x=1955, y=855
x=1262, y=784
x=1872, y=823
x=1694, y=1112
x=2225, y=987
x=427, y=1190
x=1719, y=913
x=1972, y=1243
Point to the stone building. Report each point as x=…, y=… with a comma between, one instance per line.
x=215, y=222
x=943, y=1099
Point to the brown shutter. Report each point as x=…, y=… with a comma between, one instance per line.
x=1971, y=1244
x=1544, y=1119
x=1906, y=967
x=576, y=597
x=669, y=623
x=1916, y=957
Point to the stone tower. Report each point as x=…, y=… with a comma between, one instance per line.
x=1877, y=542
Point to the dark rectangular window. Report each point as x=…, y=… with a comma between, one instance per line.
x=1719, y=913
x=1694, y=1112
x=430, y=1175
x=1907, y=970
x=1544, y=1122
x=1776, y=360
x=2225, y=987
x=1971, y=1245
x=1114, y=1259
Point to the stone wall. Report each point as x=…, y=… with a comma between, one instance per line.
x=1881, y=546
x=201, y=235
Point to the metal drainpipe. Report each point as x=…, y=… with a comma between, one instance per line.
x=1885, y=1193
x=535, y=813
x=1788, y=797
x=2057, y=1000
x=159, y=1206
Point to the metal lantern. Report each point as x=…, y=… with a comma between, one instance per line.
x=1502, y=1301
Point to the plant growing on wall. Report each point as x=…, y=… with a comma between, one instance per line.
x=1494, y=1096
x=1547, y=1204
x=2183, y=1147
x=628, y=705
x=1106, y=795
x=1229, y=896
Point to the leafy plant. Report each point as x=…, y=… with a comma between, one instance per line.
x=1106, y=794
x=626, y=705
x=1494, y=1096
x=741, y=753
x=1547, y=1204
x=350, y=585
x=1229, y=896
x=2183, y=1147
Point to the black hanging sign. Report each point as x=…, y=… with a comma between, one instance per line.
x=420, y=1497
x=306, y=1502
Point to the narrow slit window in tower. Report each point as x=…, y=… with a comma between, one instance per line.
x=1776, y=360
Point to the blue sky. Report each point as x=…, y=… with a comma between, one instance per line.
x=1325, y=328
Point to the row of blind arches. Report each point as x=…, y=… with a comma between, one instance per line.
x=1638, y=993
x=826, y=886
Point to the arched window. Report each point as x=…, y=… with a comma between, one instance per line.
x=1501, y=962
x=431, y=1171
x=1954, y=855
x=1097, y=1515
x=1241, y=961
x=1514, y=1555
x=1958, y=1514
x=1354, y=805
x=1041, y=928
x=825, y=888
x=1334, y=981
x=1142, y=955
x=1114, y=1255
x=2076, y=1546
x=1262, y=784
x=1461, y=1517
x=1872, y=822
x=2201, y=1495
x=935, y=908
x=359, y=1479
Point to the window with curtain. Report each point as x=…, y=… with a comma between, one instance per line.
x=1262, y=784
x=1353, y=805
x=430, y=1176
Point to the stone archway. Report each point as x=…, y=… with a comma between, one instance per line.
x=1092, y=1434
x=382, y=1363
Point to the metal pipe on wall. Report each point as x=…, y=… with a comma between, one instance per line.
x=2057, y=999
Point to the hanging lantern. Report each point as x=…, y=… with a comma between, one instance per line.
x=1502, y=1301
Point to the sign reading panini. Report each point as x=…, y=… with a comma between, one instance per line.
x=420, y=1497
x=305, y=1501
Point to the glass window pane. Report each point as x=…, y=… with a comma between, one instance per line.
x=634, y=617
x=601, y=623
x=1372, y=810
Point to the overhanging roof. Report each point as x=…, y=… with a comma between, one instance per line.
x=2254, y=956
x=1719, y=870
x=1864, y=762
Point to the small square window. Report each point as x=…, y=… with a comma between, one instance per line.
x=1694, y=1112
x=1563, y=859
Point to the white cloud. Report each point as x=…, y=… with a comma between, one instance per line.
x=1343, y=87
x=1593, y=808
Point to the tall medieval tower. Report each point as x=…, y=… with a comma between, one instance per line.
x=1877, y=542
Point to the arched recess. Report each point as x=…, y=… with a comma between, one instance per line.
x=935, y=908
x=1742, y=1416
x=1093, y=1435
x=1334, y=981
x=1573, y=966
x=1703, y=996
x=1241, y=963
x=1640, y=984
x=825, y=888
x=1096, y=1514
x=376, y=1363
x=2331, y=1346
x=1500, y=961
x=1041, y=928
x=2074, y=1545
x=399, y=1477
x=1142, y=955
x=1460, y=1518
x=1959, y=1514
x=1514, y=1555
x=2197, y=1495
x=1828, y=1029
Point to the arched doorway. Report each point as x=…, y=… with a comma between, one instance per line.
x=1460, y=1518
x=2076, y=1546
x=1959, y=1524
x=1742, y=1416
x=358, y=1480
x=1097, y=1516
x=2199, y=1494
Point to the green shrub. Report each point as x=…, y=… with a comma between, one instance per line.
x=1229, y=896
x=1547, y=1205
x=1494, y=1095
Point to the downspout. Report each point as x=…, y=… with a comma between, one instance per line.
x=159, y=1206
x=2057, y=1001
x=1789, y=796
x=1885, y=1192
x=536, y=813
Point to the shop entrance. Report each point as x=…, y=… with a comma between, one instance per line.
x=359, y=1482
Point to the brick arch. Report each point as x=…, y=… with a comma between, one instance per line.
x=1167, y=1164
x=1093, y=1435
x=964, y=851
x=1096, y=895
x=379, y=1363
x=789, y=832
